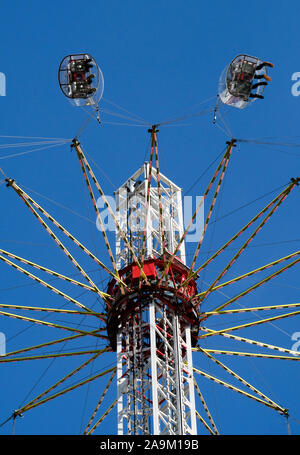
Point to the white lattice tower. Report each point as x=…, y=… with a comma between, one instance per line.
x=150, y=327
x=131, y=210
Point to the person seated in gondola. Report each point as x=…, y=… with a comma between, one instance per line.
x=79, y=78
x=81, y=65
x=81, y=89
x=259, y=77
x=240, y=85
x=240, y=79
x=79, y=69
x=90, y=78
x=243, y=76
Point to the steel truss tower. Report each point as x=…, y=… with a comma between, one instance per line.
x=154, y=325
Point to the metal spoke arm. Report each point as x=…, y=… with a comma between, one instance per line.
x=239, y=378
x=278, y=198
x=161, y=224
x=102, y=417
x=98, y=214
x=147, y=190
x=250, y=310
x=32, y=203
x=45, y=284
x=244, y=246
x=100, y=401
x=215, y=430
x=69, y=389
x=28, y=201
x=211, y=431
x=250, y=354
x=47, y=356
x=100, y=316
x=253, y=342
x=227, y=157
x=50, y=324
x=181, y=240
x=62, y=380
x=43, y=345
x=88, y=167
x=257, y=285
x=44, y=269
x=250, y=324
x=241, y=392
x=252, y=272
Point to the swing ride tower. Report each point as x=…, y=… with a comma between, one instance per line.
x=154, y=326
x=150, y=317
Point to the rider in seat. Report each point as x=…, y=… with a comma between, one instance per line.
x=260, y=76
x=243, y=75
x=79, y=78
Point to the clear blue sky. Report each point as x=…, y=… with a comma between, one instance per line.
x=159, y=59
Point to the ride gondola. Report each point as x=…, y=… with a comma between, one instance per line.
x=243, y=81
x=81, y=79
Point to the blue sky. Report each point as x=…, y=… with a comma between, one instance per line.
x=159, y=60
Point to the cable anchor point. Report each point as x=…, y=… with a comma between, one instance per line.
x=16, y=414
x=232, y=142
x=74, y=143
x=9, y=182
x=98, y=114
x=295, y=180
x=153, y=129
x=216, y=110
